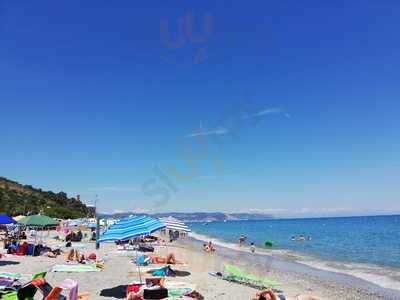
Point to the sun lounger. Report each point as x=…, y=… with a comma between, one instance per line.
x=236, y=274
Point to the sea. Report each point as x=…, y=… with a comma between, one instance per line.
x=367, y=248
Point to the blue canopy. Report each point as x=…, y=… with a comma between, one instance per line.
x=130, y=228
x=6, y=220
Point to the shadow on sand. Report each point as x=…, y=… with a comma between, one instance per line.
x=118, y=292
x=8, y=263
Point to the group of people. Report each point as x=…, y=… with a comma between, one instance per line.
x=209, y=247
x=270, y=295
x=75, y=256
x=242, y=241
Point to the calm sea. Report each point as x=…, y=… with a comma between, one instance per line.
x=367, y=247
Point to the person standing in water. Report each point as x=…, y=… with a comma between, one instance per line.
x=242, y=240
x=252, y=248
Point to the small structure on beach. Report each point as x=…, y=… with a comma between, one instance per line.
x=174, y=228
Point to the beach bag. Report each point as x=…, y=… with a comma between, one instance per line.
x=36, y=250
x=30, y=249
x=27, y=291
x=160, y=293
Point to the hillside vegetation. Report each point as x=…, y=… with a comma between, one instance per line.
x=19, y=199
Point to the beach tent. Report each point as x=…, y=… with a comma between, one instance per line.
x=130, y=228
x=38, y=221
x=174, y=224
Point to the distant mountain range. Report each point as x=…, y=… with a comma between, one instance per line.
x=203, y=216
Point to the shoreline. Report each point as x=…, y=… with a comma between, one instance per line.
x=111, y=283
x=282, y=261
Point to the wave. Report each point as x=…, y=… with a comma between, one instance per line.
x=384, y=277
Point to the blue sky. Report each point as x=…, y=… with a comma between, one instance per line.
x=297, y=104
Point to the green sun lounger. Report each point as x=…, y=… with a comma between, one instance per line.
x=235, y=274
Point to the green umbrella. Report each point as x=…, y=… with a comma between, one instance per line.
x=38, y=220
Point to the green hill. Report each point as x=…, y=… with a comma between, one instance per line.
x=19, y=199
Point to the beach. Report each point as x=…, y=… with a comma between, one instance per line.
x=111, y=282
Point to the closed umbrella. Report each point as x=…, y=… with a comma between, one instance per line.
x=175, y=224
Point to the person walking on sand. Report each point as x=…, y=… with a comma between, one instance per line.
x=252, y=248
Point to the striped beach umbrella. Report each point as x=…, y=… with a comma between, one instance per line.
x=127, y=229
x=172, y=223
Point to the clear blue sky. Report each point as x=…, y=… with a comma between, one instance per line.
x=297, y=102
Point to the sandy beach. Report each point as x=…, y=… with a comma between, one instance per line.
x=119, y=271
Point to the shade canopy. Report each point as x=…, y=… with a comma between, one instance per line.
x=6, y=220
x=172, y=223
x=127, y=229
x=20, y=217
x=38, y=220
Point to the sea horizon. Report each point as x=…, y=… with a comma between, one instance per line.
x=362, y=246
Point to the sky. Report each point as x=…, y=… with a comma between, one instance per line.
x=283, y=107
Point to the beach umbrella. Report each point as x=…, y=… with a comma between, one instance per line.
x=127, y=229
x=38, y=221
x=18, y=218
x=6, y=220
x=172, y=223
x=130, y=228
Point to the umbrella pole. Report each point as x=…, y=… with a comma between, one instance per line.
x=138, y=265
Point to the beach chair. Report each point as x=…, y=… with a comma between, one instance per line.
x=39, y=275
x=72, y=286
x=55, y=294
x=235, y=274
x=27, y=292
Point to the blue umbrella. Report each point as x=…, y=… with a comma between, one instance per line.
x=131, y=228
x=6, y=220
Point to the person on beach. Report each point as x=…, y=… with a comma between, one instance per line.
x=75, y=256
x=270, y=295
x=252, y=248
x=210, y=247
x=242, y=239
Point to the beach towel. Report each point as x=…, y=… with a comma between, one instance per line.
x=6, y=283
x=178, y=292
x=165, y=271
x=10, y=275
x=75, y=268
